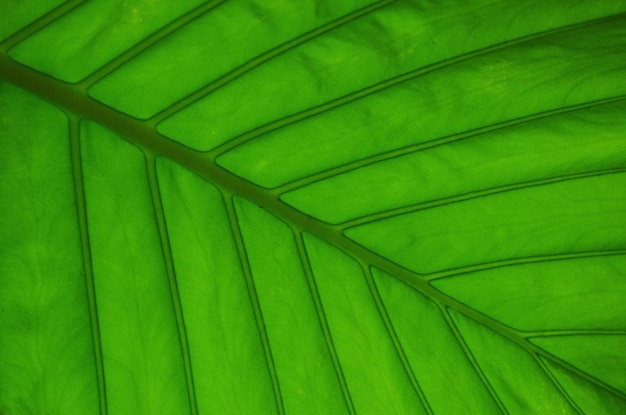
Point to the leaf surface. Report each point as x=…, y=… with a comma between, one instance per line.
x=331, y=207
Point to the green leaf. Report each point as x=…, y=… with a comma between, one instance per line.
x=322, y=206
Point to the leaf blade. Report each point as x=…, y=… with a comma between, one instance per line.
x=581, y=49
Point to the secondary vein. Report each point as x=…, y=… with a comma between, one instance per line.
x=387, y=214
x=146, y=43
x=557, y=384
x=261, y=59
x=79, y=192
x=157, y=203
x=382, y=312
x=470, y=357
x=415, y=148
x=39, y=24
x=389, y=83
x=254, y=300
x=321, y=316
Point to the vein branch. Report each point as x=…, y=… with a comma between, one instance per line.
x=254, y=300
x=472, y=195
x=532, y=348
x=519, y=261
x=523, y=339
x=470, y=357
x=557, y=384
x=261, y=59
x=148, y=42
x=415, y=148
x=81, y=207
x=321, y=316
x=389, y=83
x=574, y=332
x=166, y=251
x=382, y=311
x=39, y=24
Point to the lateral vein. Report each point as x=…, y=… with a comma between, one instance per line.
x=79, y=191
x=557, y=384
x=403, y=210
x=382, y=312
x=470, y=357
x=166, y=251
x=254, y=300
x=261, y=59
x=389, y=83
x=415, y=148
x=321, y=316
x=39, y=24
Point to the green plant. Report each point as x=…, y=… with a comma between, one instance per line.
x=319, y=206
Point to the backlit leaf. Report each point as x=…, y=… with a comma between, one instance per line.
x=322, y=206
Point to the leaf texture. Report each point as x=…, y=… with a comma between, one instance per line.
x=330, y=207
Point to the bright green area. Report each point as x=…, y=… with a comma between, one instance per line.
x=564, y=217
x=378, y=381
x=501, y=85
x=228, y=364
x=591, y=398
x=309, y=383
x=255, y=26
x=523, y=386
x=46, y=356
x=407, y=207
x=401, y=37
x=438, y=360
x=81, y=42
x=140, y=343
x=531, y=150
x=542, y=295
x=602, y=356
x=15, y=17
